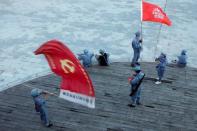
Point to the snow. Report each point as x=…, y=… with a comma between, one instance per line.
x=91, y=24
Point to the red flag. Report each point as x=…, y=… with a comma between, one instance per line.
x=76, y=85
x=154, y=13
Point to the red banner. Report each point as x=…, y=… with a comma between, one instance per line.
x=76, y=85
x=154, y=13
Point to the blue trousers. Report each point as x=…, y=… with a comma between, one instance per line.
x=136, y=97
x=86, y=65
x=44, y=116
x=160, y=73
x=136, y=56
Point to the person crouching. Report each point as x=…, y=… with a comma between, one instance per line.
x=86, y=58
x=103, y=58
x=182, y=59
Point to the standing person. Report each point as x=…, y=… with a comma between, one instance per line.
x=103, y=58
x=161, y=66
x=40, y=105
x=182, y=59
x=135, y=82
x=86, y=58
x=137, y=47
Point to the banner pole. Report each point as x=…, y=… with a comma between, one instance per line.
x=30, y=87
x=158, y=36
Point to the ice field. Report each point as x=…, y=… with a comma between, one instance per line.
x=88, y=24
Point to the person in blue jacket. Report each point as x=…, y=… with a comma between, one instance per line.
x=135, y=82
x=137, y=47
x=182, y=59
x=161, y=66
x=40, y=105
x=86, y=58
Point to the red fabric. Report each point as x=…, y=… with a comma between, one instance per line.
x=130, y=79
x=154, y=13
x=64, y=63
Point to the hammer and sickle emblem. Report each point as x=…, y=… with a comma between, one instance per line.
x=67, y=66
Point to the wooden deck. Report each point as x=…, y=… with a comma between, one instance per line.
x=171, y=106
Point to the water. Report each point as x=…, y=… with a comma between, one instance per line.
x=91, y=24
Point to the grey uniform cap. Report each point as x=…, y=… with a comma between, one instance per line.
x=36, y=92
x=138, y=34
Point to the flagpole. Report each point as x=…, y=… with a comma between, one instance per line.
x=141, y=25
x=141, y=20
x=158, y=36
x=141, y=31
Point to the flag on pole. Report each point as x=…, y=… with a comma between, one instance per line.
x=76, y=85
x=152, y=12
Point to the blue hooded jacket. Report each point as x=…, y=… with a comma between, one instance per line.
x=182, y=59
x=162, y=62
x=137, y=79
x=86, y=58
x=136, y=42
x=40, y=103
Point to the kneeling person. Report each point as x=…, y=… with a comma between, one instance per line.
x=86, y=58
x=182, y=59
x=103, y=58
